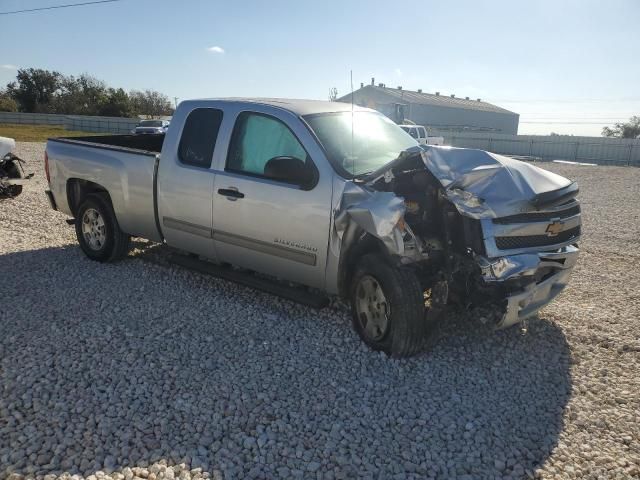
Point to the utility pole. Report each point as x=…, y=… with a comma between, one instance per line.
x=175, y=100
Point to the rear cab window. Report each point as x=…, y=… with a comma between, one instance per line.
x=199, y=135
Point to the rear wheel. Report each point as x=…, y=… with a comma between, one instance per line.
x=98, y=232
x=388, y=307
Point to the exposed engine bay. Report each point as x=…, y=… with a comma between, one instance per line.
x=438, y=210
x=12, y=173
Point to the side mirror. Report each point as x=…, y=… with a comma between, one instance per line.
x=290, y=170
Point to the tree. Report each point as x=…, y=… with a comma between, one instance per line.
x=333, y=94
x=83, y=95
x=43, y=91
x=34, y=89
x=117, y=104
x=630, y=129
x=7, y=104
x=150, y=103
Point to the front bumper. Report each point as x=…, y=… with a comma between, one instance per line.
x=536, y=294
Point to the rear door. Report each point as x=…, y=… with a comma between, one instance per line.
x=266, y=225
x=186, y=179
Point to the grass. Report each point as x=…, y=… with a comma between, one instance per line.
x=37, y=133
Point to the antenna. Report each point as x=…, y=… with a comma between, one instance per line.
x=353, y=160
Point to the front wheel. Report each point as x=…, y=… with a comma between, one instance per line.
x=388, y=307
x=97, y=230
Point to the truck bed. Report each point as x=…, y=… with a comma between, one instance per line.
x=123, y=165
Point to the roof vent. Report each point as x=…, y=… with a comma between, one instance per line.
x=381, y=84
x=373, y=81
x=479, y=100
x=466, y=98
x=419, y=90
x=438, y=93
x=453, y=95
x=399, y=87
x=361, y=84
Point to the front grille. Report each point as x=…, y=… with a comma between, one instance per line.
x=537, y=216
x=511, y=243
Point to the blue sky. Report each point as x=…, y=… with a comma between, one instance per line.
x=553, y=62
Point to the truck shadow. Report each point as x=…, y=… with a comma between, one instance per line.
x=104, y=367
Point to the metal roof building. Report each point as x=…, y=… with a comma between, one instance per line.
x=439, y=112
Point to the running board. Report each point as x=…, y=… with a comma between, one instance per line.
x=249, y=279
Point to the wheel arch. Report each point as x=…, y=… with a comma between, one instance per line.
x=364, y=244
x=78, y=189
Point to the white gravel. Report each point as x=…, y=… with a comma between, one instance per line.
x=135, y=370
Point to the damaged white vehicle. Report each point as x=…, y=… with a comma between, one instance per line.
x=12, y=173
x=335, y=198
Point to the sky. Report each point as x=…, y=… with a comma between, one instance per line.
x=566, y=66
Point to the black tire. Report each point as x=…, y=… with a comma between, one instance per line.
x=406, y=329
x=13, y=191
x=115, y=244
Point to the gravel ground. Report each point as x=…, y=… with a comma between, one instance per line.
x=141, y=370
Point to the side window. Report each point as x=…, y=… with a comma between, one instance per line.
x=259, y=138
x=422, y=132
x=199, y=137
x=413, y=132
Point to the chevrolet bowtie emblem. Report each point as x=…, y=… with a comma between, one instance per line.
x=554, y=228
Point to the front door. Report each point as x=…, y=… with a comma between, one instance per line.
x=267, y=225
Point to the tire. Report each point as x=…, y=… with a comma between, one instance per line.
x=98, y=232
x=13, y=191
x=395, y=322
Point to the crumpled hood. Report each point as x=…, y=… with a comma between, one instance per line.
x=486, y=185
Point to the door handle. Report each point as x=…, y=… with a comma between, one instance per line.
x=231, y=192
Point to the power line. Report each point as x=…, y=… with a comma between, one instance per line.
x=59, y=6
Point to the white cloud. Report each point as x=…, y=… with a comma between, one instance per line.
x=9, y=67
x=398, y=72
x=216, y=49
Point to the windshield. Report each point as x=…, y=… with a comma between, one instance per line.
x=376, y=140
x=150, y=123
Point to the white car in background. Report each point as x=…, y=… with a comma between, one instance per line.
x=420, y=134
x=151, y=126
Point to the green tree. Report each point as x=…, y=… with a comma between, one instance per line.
x=117, y=104
x=630, y=129
x=7, y=104
x=34, y=89
x=83, y=95
x=150, y=103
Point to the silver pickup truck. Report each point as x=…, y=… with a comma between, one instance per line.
x=332, y=197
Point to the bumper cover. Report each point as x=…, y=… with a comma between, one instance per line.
x=536, y=295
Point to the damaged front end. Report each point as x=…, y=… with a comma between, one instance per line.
x=495, y=231
x=12, y=173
